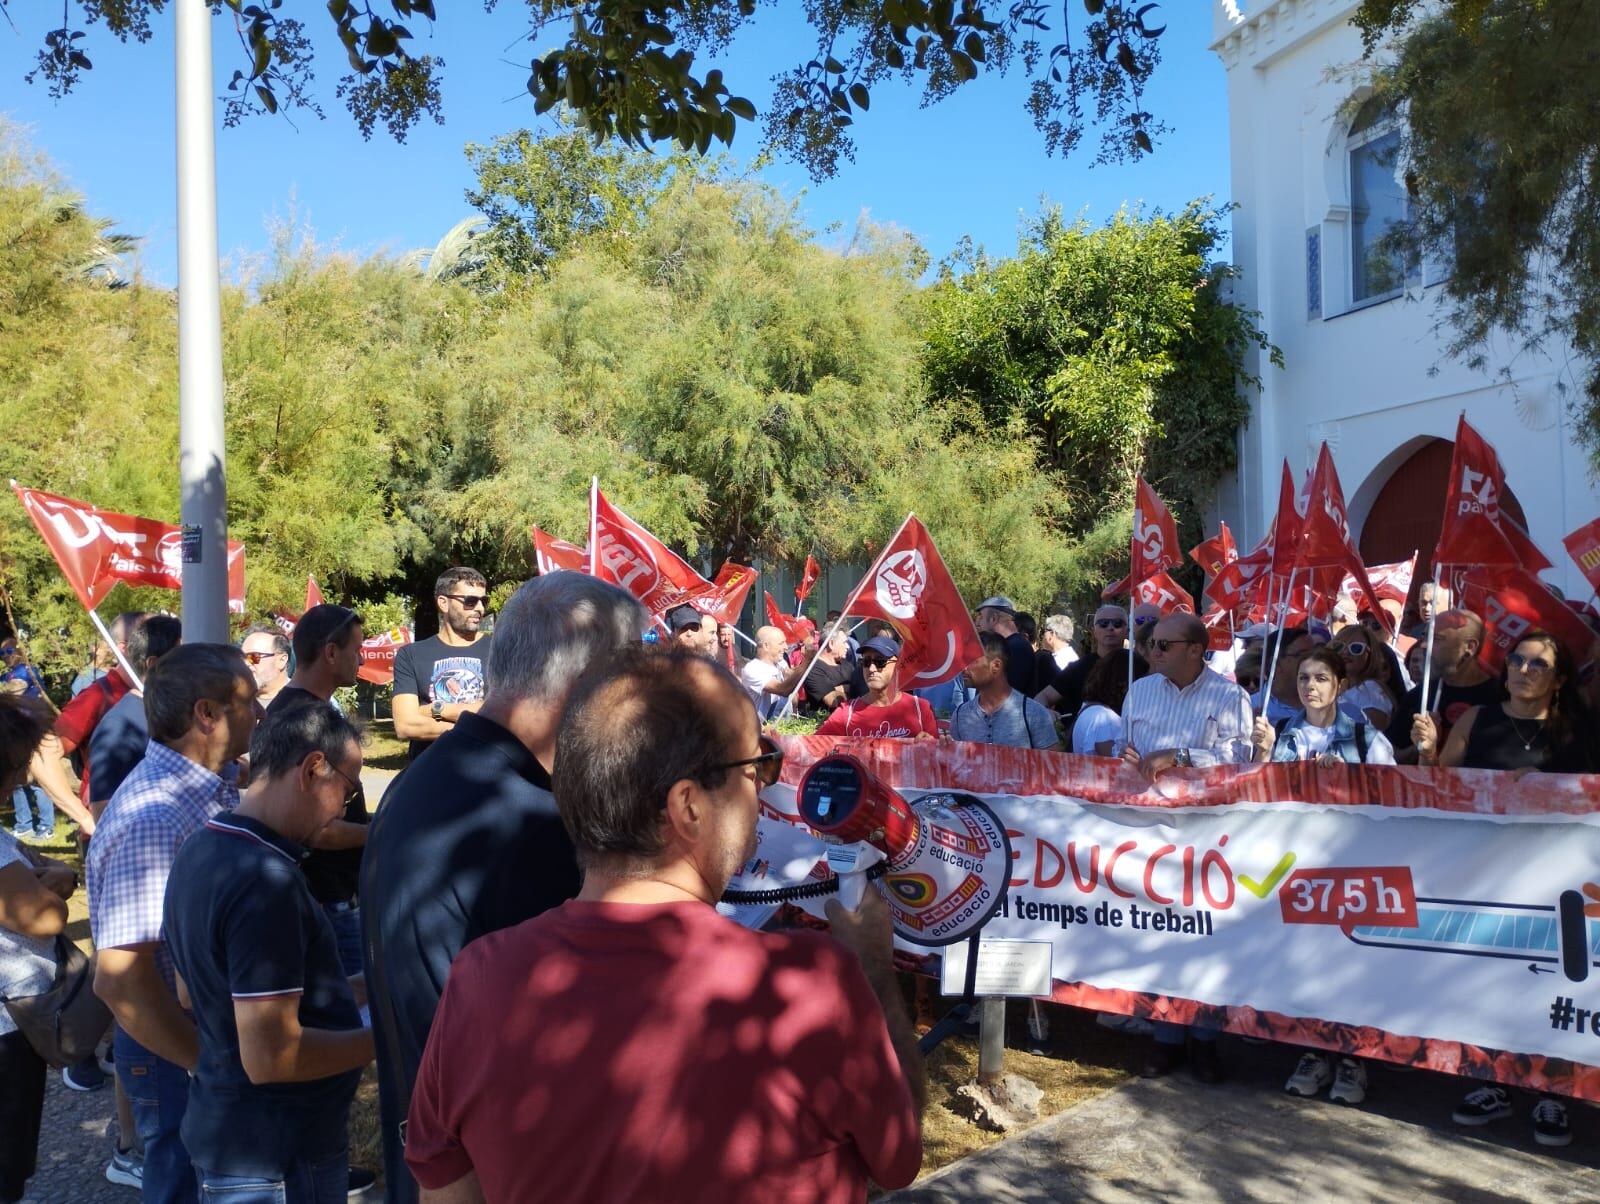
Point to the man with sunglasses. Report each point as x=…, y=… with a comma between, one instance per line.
x=440, y=679
x=1064, y=694
x=1184, y=714
x=885, y=713
x=647, y=1048
x=281, y=1042
x=266, y=651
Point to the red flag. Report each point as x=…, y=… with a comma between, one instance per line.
x=1474, y=532
x=1161, y=590
x=909, y=587
x=1327, y=546
x=377, y=655
x=1215, y=554
x=1286, y=526
x=1216, y=621
x=625, y=554
x=1154, y=546
x=1583, y=545
x=97, y=548
x=313, y=594
x=550, y=554
x=808, y=578
x=794, y=628
x=1512, y=602
x=732, y=586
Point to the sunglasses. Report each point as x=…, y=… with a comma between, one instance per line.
x=1533, y=666
x=255, y=658
x=873, y=662
x=1108, y=623
x=768, y=766
x=355, y=787
x=1165, y=646
x=1354, y=648
x=470, y=601
x=1141, y=620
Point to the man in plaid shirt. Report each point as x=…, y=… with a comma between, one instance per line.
x=200, y=701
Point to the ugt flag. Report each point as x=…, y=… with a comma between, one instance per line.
x=550, y=553
x=909, y=588
x=624, y=553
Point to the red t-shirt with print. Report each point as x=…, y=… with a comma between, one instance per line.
x=905, y=717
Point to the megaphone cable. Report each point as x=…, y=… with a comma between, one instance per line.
x=792, y=894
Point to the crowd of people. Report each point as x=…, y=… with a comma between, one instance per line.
x=522, y=935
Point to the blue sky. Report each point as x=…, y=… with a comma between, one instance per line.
x=973, y=164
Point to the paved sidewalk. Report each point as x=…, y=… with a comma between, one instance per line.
x=1175, y=1140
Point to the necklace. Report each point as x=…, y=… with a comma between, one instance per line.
x=1527, y=741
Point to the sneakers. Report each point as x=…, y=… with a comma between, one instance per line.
x=1481, y=1106
x=1550, y=1125
x=1349, y=1082
x=85, y=1076
x=360, y=1179
x=126, y=1169
x=1310, y=1076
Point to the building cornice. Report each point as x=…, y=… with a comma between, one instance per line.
x=1271, y=28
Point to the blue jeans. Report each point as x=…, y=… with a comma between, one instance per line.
x=1168, y=1033
x=159, y=1093
x=26, y=800
x=324, y=1182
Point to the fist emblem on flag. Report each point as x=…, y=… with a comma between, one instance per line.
x=900, y=583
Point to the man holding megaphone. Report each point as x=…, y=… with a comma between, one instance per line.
x=632, y=1044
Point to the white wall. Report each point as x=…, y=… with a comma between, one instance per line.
x=1368, y=380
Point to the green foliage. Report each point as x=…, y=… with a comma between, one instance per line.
x=1115, y=348
x=635, y=72
x=1501, y=146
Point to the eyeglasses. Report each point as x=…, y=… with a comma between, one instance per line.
x=255, y=658
x=1165, y=646
x=875, y=662
x=1141, y=620
x=1533, y=666
x=767, y=766
x=1249, y=684
x=355, y=787
x=1353, y=648
x=470, y=601
x=1108, y=623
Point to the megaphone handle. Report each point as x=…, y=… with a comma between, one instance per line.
x=852, y=887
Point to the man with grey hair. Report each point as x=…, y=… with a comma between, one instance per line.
x=467, y=840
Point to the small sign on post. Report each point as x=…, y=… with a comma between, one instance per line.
x=1019, y=969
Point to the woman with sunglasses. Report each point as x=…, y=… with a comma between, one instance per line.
x=1540, y=725
x=1368, y=694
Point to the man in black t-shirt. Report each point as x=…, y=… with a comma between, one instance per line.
x=829, y=682
x=468, y=840
x=1065, y=693
x=281, y=1042
x=439, y=679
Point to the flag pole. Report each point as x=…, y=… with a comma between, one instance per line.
x=594, y=522
x=1427, y=653
x=1277, y=643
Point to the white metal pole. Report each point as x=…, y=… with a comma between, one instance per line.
x=122, y=660
x=1277, y=642
x=1427, y=653
x=204, y=500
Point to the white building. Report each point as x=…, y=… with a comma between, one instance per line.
x=1365, y=367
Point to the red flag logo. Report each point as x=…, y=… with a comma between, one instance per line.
x=627, y=555
x=1583, y=545
x=1162, y=591
x=1215, y=554
x=726, y=601
x=1513, y=602
x=1155, y=537
x=97, y=548
x=1392, y=581
x=910, y=588
x=377, y=655
x=1474, y=531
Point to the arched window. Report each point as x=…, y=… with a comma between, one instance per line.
x=1377, y=202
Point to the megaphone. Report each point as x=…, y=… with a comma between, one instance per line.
x=946, y=857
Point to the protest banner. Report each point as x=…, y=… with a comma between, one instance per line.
x=1428, y=917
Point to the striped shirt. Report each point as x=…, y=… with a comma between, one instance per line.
x=164, y=801
x=1210, y=717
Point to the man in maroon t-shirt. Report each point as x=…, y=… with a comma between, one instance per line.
x=644, y=1047
x=885, y=713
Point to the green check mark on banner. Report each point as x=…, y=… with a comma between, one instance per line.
x=1262, y=889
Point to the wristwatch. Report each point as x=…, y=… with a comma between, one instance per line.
x=437, y=710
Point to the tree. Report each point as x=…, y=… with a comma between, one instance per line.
x=636, y=72
x=1501, y=151
x=1115, y=348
